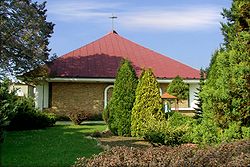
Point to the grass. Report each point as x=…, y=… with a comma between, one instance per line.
x=55, y=146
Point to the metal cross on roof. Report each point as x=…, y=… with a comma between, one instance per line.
x=113, y=17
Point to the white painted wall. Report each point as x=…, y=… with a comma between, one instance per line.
x=21, y=89
x=192, y=98
x=42, y=95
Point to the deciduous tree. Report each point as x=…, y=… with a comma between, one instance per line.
x=178, y=88
x=24, y=36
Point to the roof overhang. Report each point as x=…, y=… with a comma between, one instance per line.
x=111, y=80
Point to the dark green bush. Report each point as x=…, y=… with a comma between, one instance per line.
x=118, y=111
x=226, y=155
x=26, y=117
x=7, y=104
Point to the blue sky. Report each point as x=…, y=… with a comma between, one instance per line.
x=185, y=30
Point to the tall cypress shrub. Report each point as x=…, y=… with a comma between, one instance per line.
x=121, y=103
x=148, y=104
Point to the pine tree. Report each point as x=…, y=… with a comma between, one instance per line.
x=226, y=93
x=198, y=109
x=122, y=100
x=148, y=104
x=178, y=88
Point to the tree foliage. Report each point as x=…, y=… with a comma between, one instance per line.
x=24, y=36
x=148, y=105
x=178, y=88
x=7, y=104
x=120, y=106
x=226, y=93
x=198, y=109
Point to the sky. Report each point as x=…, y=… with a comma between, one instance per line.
x=185, y=30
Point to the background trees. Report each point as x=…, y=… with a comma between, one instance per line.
x=118, y=111
x=24, y=36
x=226, y=92
x=178, y=89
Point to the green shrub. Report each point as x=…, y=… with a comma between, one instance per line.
x=171, y=132
x=26, y=117
x=245, y=132
x=232, y=132
x=118, y=111
x=169, y=136
x=7, y=105
x=148, y=106
x=207, y=132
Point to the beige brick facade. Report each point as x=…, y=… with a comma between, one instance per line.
x=73, y=97
x=69, y=97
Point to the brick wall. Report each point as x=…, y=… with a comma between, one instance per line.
x=73, y=97
x=87, y=97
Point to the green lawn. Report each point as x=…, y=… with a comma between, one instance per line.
x=55, y=146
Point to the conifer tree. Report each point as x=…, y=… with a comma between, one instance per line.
x=121, y=103
x=226, y=93
x=198, y=109
x=148, y=104
x=178, y=88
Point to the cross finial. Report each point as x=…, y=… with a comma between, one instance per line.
x=113, y=17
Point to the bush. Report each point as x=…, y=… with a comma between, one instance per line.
x=7, y=104
x=169, y=136
x=118, y=111
x=173, y=131
x=231, y=154
x=95, y=117
x=77, y=117
x=232, y=132
x=245, y=132
x=148, y=106
x=26, y=117
x=170, y=132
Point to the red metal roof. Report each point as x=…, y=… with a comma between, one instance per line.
x=101, y=59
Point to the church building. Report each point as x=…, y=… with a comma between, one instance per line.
x=83, y=79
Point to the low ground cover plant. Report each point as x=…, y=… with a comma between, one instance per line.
x=230, y=154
